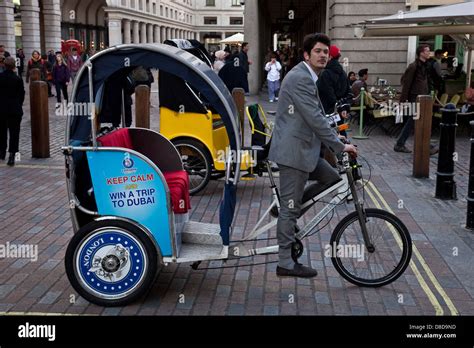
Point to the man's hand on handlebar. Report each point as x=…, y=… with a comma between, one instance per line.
x=351, y=149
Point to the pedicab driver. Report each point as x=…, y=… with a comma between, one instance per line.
x=300, y=127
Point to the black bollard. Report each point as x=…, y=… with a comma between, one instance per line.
x=445, y=184
x=470, y=190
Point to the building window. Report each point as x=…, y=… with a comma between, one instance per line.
x=148, y=6
x=210, y=20
x=210, y=2
x=154, y=8
x=132, y=3
x=236, y=21
x=124, y=2
x=161, y=10
x=235, y=2
x=166, y=11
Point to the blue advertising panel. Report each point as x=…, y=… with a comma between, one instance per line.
x=127, y=186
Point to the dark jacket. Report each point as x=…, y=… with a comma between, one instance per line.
x=414, y=80
x=244, y=61
x=332, y=85
x=356, y=87
x=61, y=73
x=234, y=75
x=12, y=94
x=38, y=64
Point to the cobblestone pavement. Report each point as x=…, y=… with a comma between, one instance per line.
x=440, y=279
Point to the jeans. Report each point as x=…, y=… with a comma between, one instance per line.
x=61, y=87
x=273, y=89
x=409, y=125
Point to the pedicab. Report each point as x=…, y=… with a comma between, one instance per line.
x=129, y=194
x=193, y=125
x=127, y=187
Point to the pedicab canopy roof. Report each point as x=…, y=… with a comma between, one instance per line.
x=122, y=59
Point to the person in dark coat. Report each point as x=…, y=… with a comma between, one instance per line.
x=36, y=63
x=233, y=74
x=12, y=95
x=332, y=83
x=61, y=77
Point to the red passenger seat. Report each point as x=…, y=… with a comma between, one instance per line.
x=178, y=181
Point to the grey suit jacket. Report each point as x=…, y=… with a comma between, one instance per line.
x=300, y=124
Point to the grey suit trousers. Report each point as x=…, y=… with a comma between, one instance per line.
x=292, y=183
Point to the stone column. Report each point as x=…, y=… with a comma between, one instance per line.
x=115, y=31
x=149, y=36
x=197, y=35
x=7, y=26
x=52, y=24
x=142, y=32
x=222, y=38
x=136, y=36
x=157, y=37
x=126, y=31
x=252, y=34
x=30, y=27
x=163, y=33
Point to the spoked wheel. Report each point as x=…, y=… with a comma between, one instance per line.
x=197, y=163
x=111, y=263
x=379, y=265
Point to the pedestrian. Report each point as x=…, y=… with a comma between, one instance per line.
x=2, y=63
x=273, y=77
x=351, y=76
x=49, y=74
x=20, y=55
x=12, y=95
x=436, y=82
x=74, y=63
x=36, y=63
x=61, y=77
x=414, y=82
x=233, y=74
x=51, y=57
x=4, y=52
x=300, y=128
x=219, y=62
x=245, y=63
x=332, y=83
x=359, y=84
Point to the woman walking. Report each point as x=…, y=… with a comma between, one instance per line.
x=61, y=77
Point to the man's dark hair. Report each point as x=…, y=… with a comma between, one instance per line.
x=312, y=39
x=351, y=73
x=420, y=49
x=438, y=51
x=244, y=44
x=363, y=72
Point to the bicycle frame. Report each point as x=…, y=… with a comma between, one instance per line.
x=345, y=188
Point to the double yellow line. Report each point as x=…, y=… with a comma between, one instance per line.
x=369, y=187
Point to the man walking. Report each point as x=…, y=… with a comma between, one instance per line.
x=74, y=63
x=300, y=127
x=245, y=63
x=12, y=95
x=414, y=82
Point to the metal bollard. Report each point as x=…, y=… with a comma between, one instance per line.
x=142, y=106
x=445, y=184
x=470, y=190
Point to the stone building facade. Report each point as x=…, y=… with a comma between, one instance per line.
x=101, y=23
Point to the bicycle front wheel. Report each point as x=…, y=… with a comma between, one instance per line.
x=371, y=267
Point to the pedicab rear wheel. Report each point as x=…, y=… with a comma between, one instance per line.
x=111, y=262
x=196, y=161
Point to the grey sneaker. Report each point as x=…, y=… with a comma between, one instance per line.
x=403, y=148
